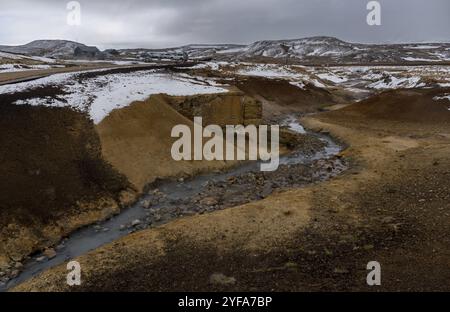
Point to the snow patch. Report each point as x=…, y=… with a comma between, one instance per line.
x=392, y=82
x=444, y=97
x=332, y=77
x=102, y=94
x=415, y=59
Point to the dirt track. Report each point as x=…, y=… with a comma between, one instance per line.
x=31, y=74
x=392, y=207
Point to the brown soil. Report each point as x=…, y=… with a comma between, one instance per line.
x=60, y=172
x=29, y=74
x=137, y=141
x=392, y=207
x=280, y=97
x=51, y=168
x=232, y=108
x=404, y=106
x=6, y=78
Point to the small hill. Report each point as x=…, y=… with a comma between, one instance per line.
x=54, y=49
x=332, y=50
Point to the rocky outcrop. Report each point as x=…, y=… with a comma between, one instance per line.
x=54, y=179
x=87, y=52
x=60, y=172
x=137, y=140
x=220, y=109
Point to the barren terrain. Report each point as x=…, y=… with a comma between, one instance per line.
x=88, y=159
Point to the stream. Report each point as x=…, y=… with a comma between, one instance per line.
x=169, y=199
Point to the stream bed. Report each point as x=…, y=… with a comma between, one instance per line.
x=169, y=199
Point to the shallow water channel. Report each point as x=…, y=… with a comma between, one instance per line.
x=171, y=199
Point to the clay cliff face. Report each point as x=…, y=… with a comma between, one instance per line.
x=52, y=172
x=60, y=172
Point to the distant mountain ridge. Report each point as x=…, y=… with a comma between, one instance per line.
x=319, y=49
x=330, y=49
x=54, y=49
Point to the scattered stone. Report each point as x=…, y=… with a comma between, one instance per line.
x=209, y=201
x=14, y=274
x=181, y=180
x=221, y=279
x=388, y=219
x=18, y=265
x=291, y=265
x=340, y=271
x=50, y=253
x=41, y=259
x=157, y=217
x=136, y=222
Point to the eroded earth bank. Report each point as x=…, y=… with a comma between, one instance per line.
x=309, y=227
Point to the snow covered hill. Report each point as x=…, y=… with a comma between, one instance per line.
x=193, y=51
x=54, y=49
x=313, y=50
x=333, y=50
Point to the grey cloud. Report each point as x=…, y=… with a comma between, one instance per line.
x=159, y=23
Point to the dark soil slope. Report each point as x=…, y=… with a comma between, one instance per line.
x=306, y=100
x=50, y=161
x=404, y=106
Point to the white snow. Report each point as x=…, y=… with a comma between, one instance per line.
x=294, y=125
x=56, y=79
x=318, y=84
x=414, y=59
x=21, y=57
x=423, y=47
x=100, y=95
x=235, y=50
x=42, y=59
x=298, y=84
x=442, y=56
x=268, y=71
x=405, y=82
x=10, y=68
x=117, y=62
x=211, y=65
x=352, y=77
x=444, y=97
x=332, y=77
x=10, y=56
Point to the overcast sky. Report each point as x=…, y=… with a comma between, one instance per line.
x=162, y=23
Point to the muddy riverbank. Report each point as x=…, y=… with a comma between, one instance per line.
x=391, y=206
x=313, y=160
